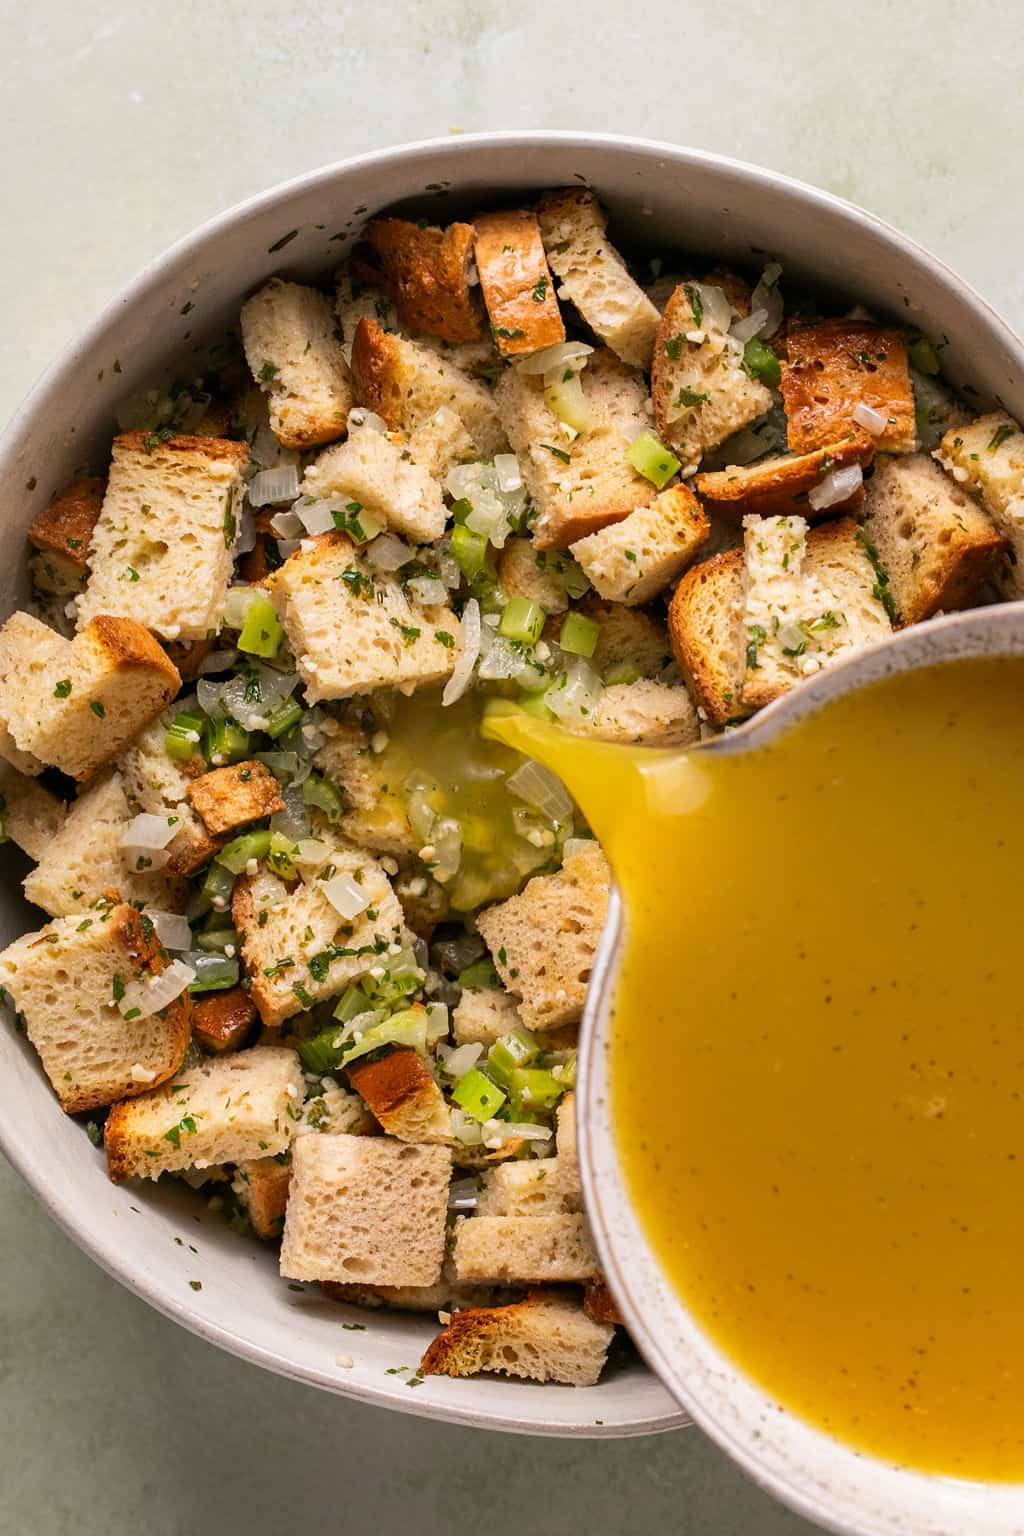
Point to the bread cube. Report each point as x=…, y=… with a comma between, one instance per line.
x=830, y=368
x=533, y=1187
x=66, y=981
x=525, y=571
x=297, y=948
x=229, y=797
x=778, y=486
x=593, y=276
x=407, y=385
x=642, y=714
x=295, y=356
x=162, y=548
x=61, y=535
x=483, y=1015
x=705, y=621
x=986, y=457
x=366, y=1209
x=426, y=271
x=632, y=561
x=76, y=703
x=936, y=544
x=400, y=1090
x=599, y=1304
x=543, y=941
x=29, y=815
x=352, y=628
x=223, y=1021
x=226, y=1109
x=159, y=784
x=701, y=391
x=581, y=485
x=261, y=1186
x=377, y=472
x=375, y=817
x=627, y=638
x=515, y=281
x=546, y=1337
x=519, y=1250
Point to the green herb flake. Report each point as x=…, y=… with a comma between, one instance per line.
x=999, y=436
x=98, y=709
x=62, y=689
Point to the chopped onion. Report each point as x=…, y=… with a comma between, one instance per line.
x=566, y=398
x=287, y=547
x=837, y=486
x=246, y=539
x=563, y=354
x=346, y=895
x=867, y=417
x=718, y=311
x=271, y=486
x=457, y=953
x=310, y=853
x=287, y=766
x=448, y=567
x=360, y=417
x=293, y=821
x=146, y=832
x=287, y=525
x=315, y=516
x=420, y=789
x=745, y=330
x=463, y=1195
x=447, y=840
x=237, y=602
x=574, y=845
x=766, y=296
x=144, y=998
x=508, y=1130
x=574, y=697
x=388, y=553
x=217, y=661
x=542, y=789
x=501, y=661
x=457, y=1060
x=469, y=650
x=429, y=591
x=172, y=931
x=465, y=1129
x=437, y=1021
x=506, y=467
x=270, y=686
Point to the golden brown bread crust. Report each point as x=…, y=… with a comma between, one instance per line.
x=832, y=366
x=266, y=1183
x=223, y=1021
x=398, y=1088
x=697, y=603
x=377, y=371
x=206, y=447
x=599, y=1303
x=65, y=526
x=518, y=288
x=780, y=485
x=426, y=272
x=130, y=644
x=227, y=797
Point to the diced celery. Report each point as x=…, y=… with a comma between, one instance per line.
x=283, y=718
x=184, y=736
x=522, y=620
x=470, y=552
x=214, y=973
x=533, y=1088
x=477, y=1095
x=762, y=363
x=353, y=1001
x=579, y=635
x=320, y=792
x=481, y=975
x=261, y=634
x=533, y=704
x=218, y=884
x=236, y=854
x=514, y=1050
x=924, y=356
x=281, y=855
x=408, y=1027
x=226, y=742
x=320, y=1054
x=622, y=672
x=216, y=940
x=652, y=459
x=566, y=398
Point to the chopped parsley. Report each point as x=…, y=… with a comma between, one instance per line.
x=98, y=709
x=690, y=397
x=696, y=304
x=62, y=689
x=999, y=436
x=358, y=583
x=559, y=453
x=756, y=636
x=540, y=291
x=268, y=373
x=444, y=638
x=409, y=632
x=187, y=1123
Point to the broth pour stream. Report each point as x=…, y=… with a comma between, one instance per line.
x=817, y=1050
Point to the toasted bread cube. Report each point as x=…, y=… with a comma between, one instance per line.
x=261, y=1185
x=701, y=391
x=526, y=571
x=534, y=1187
x=423, y=907
x=75, y=703
x=85, y=862
x=223, y=1021
x=377, y=472
x=403, y=1095
x=593, y=276
x=567, y=1147
x=375, y=817
x=778, y=486
x=65, y=980
x=517, y=286
x=29, y=815
x=227, y=1109
x=352, y=628
x=447, y=1294
x=632, y=561
x=643, y=714
x=628, y=638
x=705, y=621
x=407, y=385
x=296, y=947
x=296, y=358
x=546, y=1337
x=482, y=1015
x=426, y=270
x=229, y=797
x=833, y=366
x=936, y=544
x=62, y=533
x=811, y=598
x=987, y=458
x=520, y=1250
x=10, y=755
x=543, y=940
x=598, y=1302
x=578, y=487
x=366, y=1209
x=161, y=550
x=159, y=784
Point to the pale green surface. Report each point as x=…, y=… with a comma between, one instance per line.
x=124, y=125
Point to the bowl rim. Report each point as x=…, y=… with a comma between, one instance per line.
x=44, y=393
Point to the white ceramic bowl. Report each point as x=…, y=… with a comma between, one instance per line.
x=677, y=197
